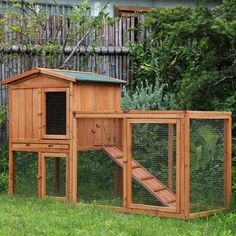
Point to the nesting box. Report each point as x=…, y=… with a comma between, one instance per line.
x=168, y=163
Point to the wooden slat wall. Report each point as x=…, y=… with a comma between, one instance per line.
x=96, y=98
x=25, y=112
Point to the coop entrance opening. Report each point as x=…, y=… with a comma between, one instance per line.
x=154, y=162
x=54, y=174
x=100, y=179
x=26, y=172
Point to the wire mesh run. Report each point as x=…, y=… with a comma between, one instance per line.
x=99, y=179
x=206, y=164
x=154, y=164
x=55, y=176
x=26, y=172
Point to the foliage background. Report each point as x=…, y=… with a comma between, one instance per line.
x=191, y=54
x=190, y=63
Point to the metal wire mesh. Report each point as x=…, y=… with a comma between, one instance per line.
x=56, y=113
x=55, y=176
x=206, y=164
x=99, y=179
x=154, y=148
x=26, y=171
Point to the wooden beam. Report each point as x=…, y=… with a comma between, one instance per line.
x=186, y=165
x=11, y=187
x=205, y=213
x=208, y=114
x=128, y=164
x=124, y=148
x=170, y=155
x=40, y=175
x=178, y=166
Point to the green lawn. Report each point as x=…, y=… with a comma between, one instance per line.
x=32, y=216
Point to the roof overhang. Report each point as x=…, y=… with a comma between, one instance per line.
x=55, y=73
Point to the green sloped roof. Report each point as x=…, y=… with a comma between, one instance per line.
x=90, y=77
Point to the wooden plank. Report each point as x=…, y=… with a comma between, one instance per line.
x=41, y=81
x=128, y=164
x=187, y=165
x=43, y=141
x=227, y=161
x=22, y=113
x=152, y=208
x=73, y=145
x=29, y=114
x=209, y=114
x=205, y=213
x=145, y=178
x=131, y=115
x=124, y=149
x=40, y=175
x=170, y=155
x=14, y=118
x=43, y=175
x=182, y=167
x=178, y=166
x=35, y=114
x=20, y=76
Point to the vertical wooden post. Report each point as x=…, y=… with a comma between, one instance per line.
x=170, y=155
x=124, y=147
x=129, y=164
x=11, y=188
x=73, y=148
x=11, y=161
x=178, y=166
x=40, y=175
x=43, y=176
x=186, y=165
x=227, y=160
x=57, y=174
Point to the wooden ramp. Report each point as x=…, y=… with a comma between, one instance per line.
x=160, y=191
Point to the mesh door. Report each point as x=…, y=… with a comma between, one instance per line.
x=26, y=172
x=153, y=164
x=55, y=176
x=206, y=164
x=99, y=179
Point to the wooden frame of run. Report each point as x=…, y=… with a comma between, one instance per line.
x=170, y=123
x=182, y=120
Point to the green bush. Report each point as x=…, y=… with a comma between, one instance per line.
x=148, y=97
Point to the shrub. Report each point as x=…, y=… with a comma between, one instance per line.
x=148, y=97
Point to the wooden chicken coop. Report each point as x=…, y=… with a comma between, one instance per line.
x=165, y=163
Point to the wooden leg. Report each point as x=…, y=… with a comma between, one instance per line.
x=39, y=175
x=57, y=174
x=11, y=186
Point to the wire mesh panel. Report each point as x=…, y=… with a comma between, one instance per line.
x=56, y=113
x=206, y=164
x=26, y=172
x=99, y=179
x=154, y=164
x=55, y=176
